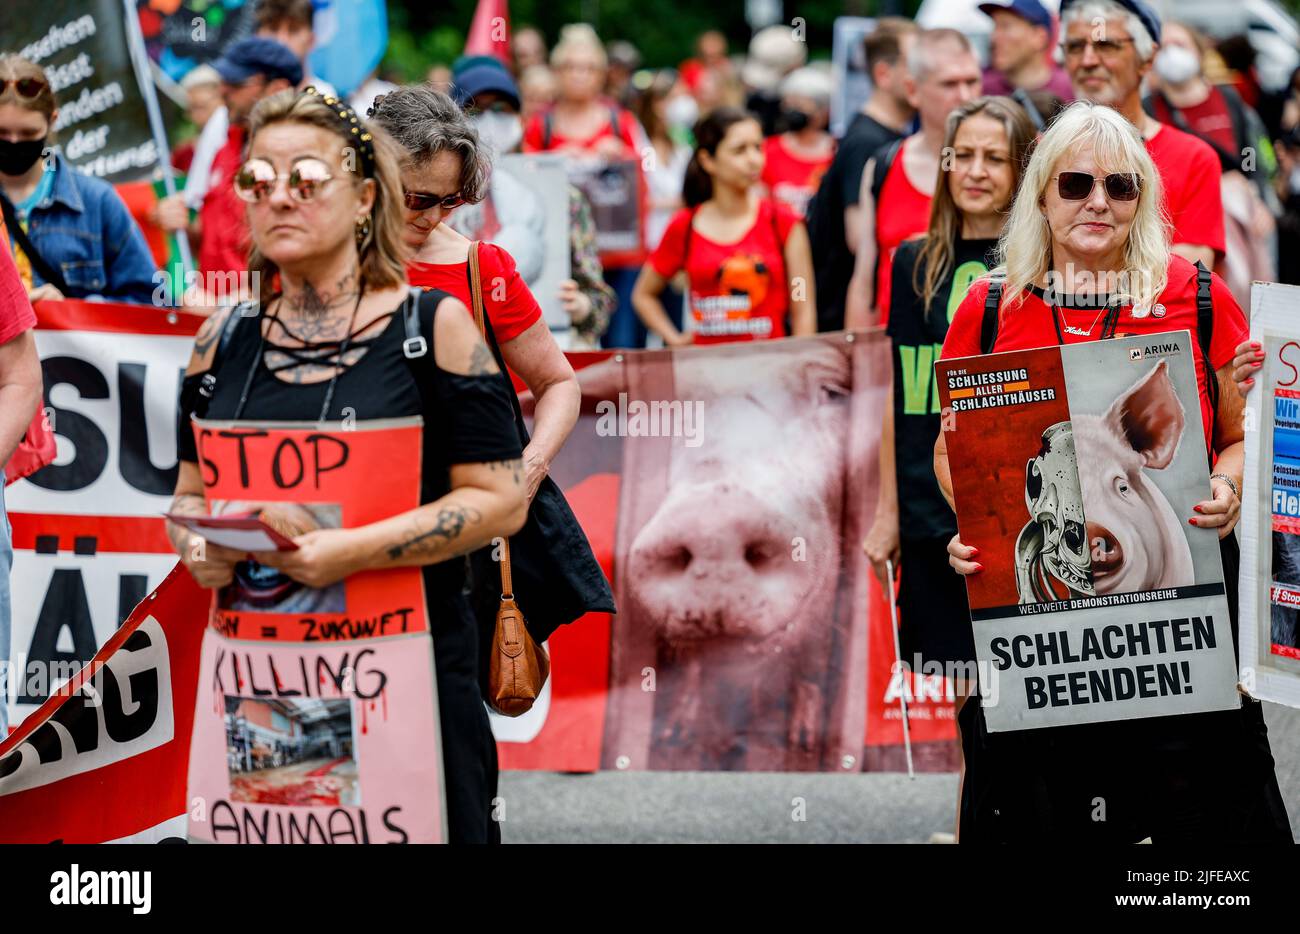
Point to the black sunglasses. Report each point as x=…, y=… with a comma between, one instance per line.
x=24, y=87
x=423, y=201
x=1077, y=186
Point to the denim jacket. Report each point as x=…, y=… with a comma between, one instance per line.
x=83, y=229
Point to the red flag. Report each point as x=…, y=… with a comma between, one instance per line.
x=104, y=758
x=489, y=34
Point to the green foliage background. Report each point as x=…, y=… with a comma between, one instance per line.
x=422, y=33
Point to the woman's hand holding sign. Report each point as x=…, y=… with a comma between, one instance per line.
x=1220, y=512
x=323, y=557
x=960, y=557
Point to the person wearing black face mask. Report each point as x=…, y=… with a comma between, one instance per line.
x=70, y=235
x=796, y=159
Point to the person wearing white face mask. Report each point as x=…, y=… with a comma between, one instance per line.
x=667, y=110
x=1182, y=97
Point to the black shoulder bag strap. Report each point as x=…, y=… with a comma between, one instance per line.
x=1205, y=333
x=39, y=263
x=989, y=326
x=546, y=130
x=884, y=161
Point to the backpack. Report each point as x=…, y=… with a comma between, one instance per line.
x=1204, y=326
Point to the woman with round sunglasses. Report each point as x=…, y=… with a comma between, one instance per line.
x=328, y=339
x=1086, y=256
x=70, y=234
x=445, y=165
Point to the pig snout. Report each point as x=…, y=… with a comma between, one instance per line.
x=1106, y=552
x=716, y=561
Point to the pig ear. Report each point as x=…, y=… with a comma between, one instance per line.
x=1149, y=417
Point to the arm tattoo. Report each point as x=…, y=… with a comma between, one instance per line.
x=425, y=542
x=209, y=333
x=515, y=466
x=481, y=361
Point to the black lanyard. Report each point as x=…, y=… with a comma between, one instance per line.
x=1107, y=327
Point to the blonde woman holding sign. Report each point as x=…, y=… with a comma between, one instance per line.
x=339, y=336
x=1086, y=256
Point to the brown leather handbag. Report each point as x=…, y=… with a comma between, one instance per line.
x=518, y=666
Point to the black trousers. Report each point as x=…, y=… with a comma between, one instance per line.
x=469, y=752
x=1196, y=778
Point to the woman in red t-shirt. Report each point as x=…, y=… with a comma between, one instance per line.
x=747, y=258
x=1086, y=256
x=795, y=161
x=443, y=168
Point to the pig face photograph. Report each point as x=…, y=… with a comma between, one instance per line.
x=1136, y=539
x=736, y=573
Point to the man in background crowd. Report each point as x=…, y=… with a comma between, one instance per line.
x=898, y=182
x=250, y=70
x=833, y=214
x=1020, y=51
x=1107, y=66
x=287, y=22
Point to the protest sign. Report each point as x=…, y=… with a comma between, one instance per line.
x=103, y=123
x=616, y=191
x=316, y=718
x=1270, y=509
x=849, y=69
x=1074, y=471
x=88, y=534
x=90, y=542
x=526, y=213
x=104, y=757
x=297, y=478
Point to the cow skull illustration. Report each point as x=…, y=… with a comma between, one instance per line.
x=1053, y=544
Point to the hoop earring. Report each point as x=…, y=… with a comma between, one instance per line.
x=362, y=231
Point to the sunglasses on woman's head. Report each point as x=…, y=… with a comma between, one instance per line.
x=1077, y=186
x=423, y=201
x=24, y=87
x=257, y=178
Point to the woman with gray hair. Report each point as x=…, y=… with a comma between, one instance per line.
x=1085, y=256
x=795, y=159
x=444, y=165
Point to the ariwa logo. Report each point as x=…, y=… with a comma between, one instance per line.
x=105, y=887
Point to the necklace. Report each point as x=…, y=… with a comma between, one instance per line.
x=338, y=363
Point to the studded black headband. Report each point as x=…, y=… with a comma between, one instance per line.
x=353, y=125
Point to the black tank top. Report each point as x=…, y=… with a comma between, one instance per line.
x=467, y=419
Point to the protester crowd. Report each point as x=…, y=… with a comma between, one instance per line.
x=1144, y=145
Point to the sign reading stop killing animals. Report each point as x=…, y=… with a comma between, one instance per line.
x=1074, y=471
x=317, y=717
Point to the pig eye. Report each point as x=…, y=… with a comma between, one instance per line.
x=1033, y=481
x=1121, y=486
x=829, y=392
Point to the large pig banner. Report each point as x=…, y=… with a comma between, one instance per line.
x=1074, y=471
x=725, y=491
x=1270, y=509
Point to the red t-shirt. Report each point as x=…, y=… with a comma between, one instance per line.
x=1190, y=171
x=902, y=212
x=737, y=290
x=1210, y=117
x=535, y=133
x=1029, y=325
x=16, y=313
x=792, y=179
x=509, y=304
x=223, y=218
